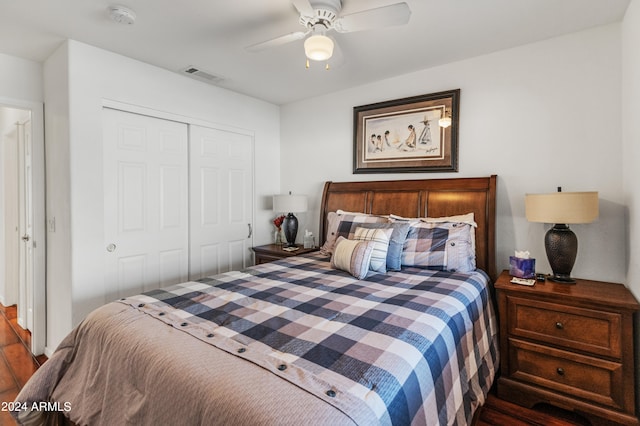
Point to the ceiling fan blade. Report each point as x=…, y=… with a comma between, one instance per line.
x=278, y=41
x=385, y=16
x=304, y=7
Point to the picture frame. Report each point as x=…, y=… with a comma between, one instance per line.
x=404, y=135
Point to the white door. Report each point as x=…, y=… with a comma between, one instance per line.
x=23, y=194
x=221, y=188
x=146, y=202
x=25, y=303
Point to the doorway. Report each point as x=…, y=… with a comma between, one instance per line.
x=22, y=239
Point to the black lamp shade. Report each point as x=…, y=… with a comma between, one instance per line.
x=290, y=228
x=561, y=245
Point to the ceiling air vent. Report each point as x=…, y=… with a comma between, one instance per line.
x=201, y=75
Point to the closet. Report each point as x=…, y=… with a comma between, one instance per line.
x=178, y=201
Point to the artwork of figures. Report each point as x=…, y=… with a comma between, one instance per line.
x=405, y=135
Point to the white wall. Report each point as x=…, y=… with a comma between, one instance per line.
x=93, y=76
x=539, y=116
x=631, y=140
x=59, y=303
x=631, y=156
x=20, y=79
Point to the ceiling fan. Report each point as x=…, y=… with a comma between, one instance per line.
x=318, y=17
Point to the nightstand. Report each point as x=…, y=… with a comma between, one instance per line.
x=569, y=345
x=271, y=252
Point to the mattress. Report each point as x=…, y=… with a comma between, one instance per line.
x=287, y=342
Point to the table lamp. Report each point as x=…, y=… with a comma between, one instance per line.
x=561, y=209
x=290, y=204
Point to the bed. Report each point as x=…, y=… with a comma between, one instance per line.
x=316, y=339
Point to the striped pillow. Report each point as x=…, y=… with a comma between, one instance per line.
x=396, y=242
x=381, y=238
x=352, y=256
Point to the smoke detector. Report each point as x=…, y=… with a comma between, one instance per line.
x=122, y=15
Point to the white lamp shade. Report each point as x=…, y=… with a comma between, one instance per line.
x=562, y=207
x=290, y=203
x=318, y=47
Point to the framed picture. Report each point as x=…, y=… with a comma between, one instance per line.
x=407, y=135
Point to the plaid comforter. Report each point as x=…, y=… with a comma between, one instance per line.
x=410, y=347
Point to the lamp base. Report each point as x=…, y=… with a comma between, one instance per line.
x=561, y=279
x=290, y=227
x=561, y=245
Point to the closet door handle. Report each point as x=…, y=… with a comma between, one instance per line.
x=250, y=230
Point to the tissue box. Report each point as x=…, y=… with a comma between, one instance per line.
x=522, y=268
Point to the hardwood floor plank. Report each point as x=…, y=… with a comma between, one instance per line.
x=490, y=416
x=21, y=362
x=498, y=412
x=7, y=380
x=10, y=312
x=7, y=335
x=23, y=335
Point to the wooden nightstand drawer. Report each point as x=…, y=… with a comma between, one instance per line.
x=265, y=258
x=584, y=377
x=587, y=330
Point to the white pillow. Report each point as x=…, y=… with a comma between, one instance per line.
x=459, y=218
x=381, y=239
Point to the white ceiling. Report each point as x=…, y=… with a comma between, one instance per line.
x=212, y=35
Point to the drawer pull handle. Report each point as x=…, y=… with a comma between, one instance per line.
x=559, y=326
x=560, y=371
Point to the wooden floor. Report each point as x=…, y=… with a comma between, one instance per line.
x=17, y=365
x=497, y=412
x=16, y=362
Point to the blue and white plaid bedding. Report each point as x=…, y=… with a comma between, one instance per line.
x=409, y=347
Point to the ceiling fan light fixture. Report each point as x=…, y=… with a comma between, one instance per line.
x=318, y=47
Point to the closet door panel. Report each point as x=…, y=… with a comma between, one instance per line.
x=146, y=202
x=221, y=188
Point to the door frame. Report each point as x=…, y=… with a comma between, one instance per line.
x=38, y=292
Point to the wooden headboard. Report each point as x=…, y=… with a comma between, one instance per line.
x=422, y=198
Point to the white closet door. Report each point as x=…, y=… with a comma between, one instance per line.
x=146, y=202
x=221, y=188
